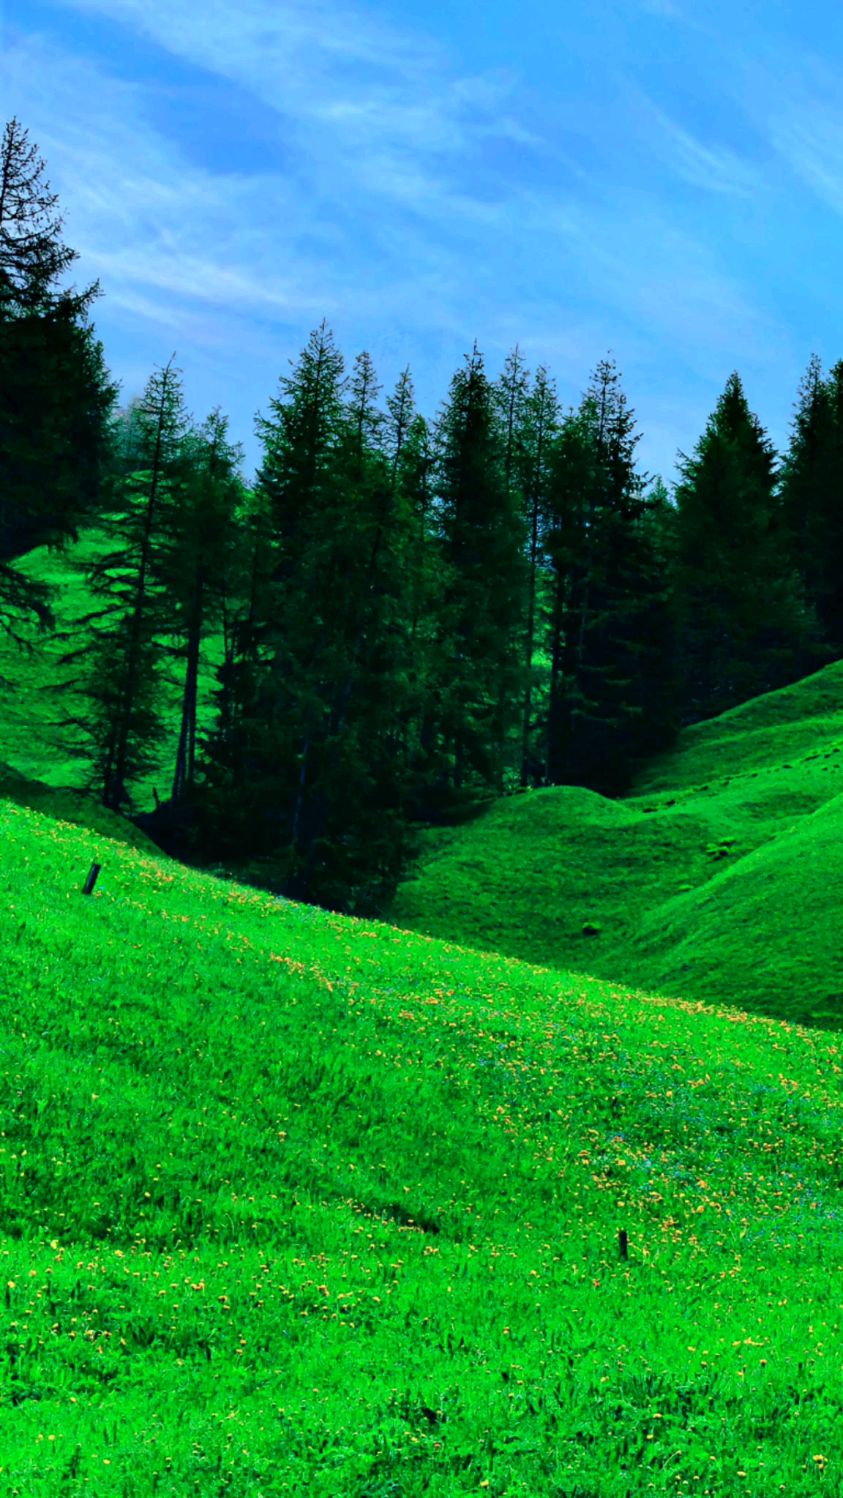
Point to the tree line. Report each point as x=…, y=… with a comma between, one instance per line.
x=408, y=617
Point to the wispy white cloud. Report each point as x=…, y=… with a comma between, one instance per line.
x=674, y=287
x=792, y=96
x=703, y=164
x=139, y=214
x=328, y=67
x=399, y=207
x=808, y=135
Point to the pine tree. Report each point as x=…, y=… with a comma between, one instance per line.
x=55, y=394
x=321, y=705
x=574, y=471
x=121, y=655
x=810, y=497
x=483, y=551
x=510, y=394
x=352, y=840
x=236, y=772
x=611, y=651
x=825, y=580
x=412, y=456
x=744, y=628
x=542, y=416
x=299, y=477
x=196, y=568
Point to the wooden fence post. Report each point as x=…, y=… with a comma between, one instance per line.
x=92, y=878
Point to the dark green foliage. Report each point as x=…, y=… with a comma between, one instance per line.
x=528, y=419
x=744, y=626
x=320, y=734
x=610, y=625
x=482, y=537
x=541, y=425
x=235, y=781
x=55, y=395
x=812, y=496
x=120, y=651
x=196, y=566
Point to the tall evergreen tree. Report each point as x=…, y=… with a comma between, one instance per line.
x=411, y=452
x=610, y=635
x=483, y=550
x=542, y=417
x=327, y=714
x=121, y=655
x=510, y=393
x=744, y=628
x=812, y=497
x=196, y=569
x=572, y=488
x=826, y=592
x=55, y=394
x=235, y=784
x=299, y=478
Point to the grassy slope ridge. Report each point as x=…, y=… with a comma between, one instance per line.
x=71, y=806
x=716, y=880
x=296, y=1204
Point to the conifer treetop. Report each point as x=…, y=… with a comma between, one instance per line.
x=33, y=256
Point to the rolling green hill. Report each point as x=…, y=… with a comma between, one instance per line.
x=717, y=880
x=297, y=1204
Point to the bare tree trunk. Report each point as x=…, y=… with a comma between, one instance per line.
x=117, y=773
x=186, y=752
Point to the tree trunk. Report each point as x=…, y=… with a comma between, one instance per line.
x=120, y=761
x=531, y=621
x=186, y=752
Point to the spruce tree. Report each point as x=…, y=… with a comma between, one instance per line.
x=411, y=451
x=744, y=628
x=55, y=394
x=299, y=478
x=325, y=711
x=120, y=656
x=196, y=566
x=574, y=476
x=611, y=670
x=482, y=538
x=510, y=394
x=236, y=776
x=810, y=493
x=542, y=416
x=825, y=583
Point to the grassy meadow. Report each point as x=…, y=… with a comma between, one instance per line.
x=292, y=1203
x=717, y=879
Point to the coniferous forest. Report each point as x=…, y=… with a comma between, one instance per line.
x=414, y=615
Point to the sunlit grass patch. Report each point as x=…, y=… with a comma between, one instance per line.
x=714, y=880
x=293, y=1203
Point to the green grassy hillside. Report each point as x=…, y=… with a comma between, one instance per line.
x=296, y=1204
x=72, y=806
x=37, y=688
x=716, y=880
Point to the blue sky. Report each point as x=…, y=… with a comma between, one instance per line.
x=658, y=178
